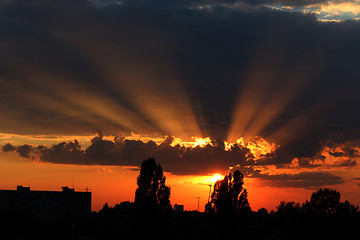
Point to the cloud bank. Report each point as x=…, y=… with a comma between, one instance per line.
x=276, y=168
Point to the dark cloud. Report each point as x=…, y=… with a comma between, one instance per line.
x=68, y=153
x=278, y=157
x=164, y=67
x=291, y=3
x=178, y=160
x=8, y=148
x=121, y=152
x=286, y=2
x=184, y=160
x=25, y=151
x=303, y=179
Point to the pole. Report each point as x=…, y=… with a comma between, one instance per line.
x=209, y=193
x=198, y=202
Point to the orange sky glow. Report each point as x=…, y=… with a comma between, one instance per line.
x=114, y=184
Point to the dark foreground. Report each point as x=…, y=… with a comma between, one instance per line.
x=183, y=225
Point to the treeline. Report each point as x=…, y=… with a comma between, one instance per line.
x=227, y=216
x=324, y=202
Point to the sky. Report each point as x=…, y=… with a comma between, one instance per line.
x=91, y=88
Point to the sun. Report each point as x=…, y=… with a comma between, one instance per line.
x=204, y=180
x=216, y=177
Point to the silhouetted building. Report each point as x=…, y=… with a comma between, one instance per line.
x=178, y=208
x=47, y=205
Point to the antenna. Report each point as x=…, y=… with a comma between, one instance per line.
x=198, y=199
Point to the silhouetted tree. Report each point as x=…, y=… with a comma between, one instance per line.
x=152, y=201
x=105, y=207
x=244, y=206
x=105, y=211
x=263, y=211
x=229, y=196
x=323, y=202
x=152, y=193
x=209, y=208
x=124, y=207
x=288, y=208
x=348, y=209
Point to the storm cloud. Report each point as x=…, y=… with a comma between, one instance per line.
x=224, y=69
